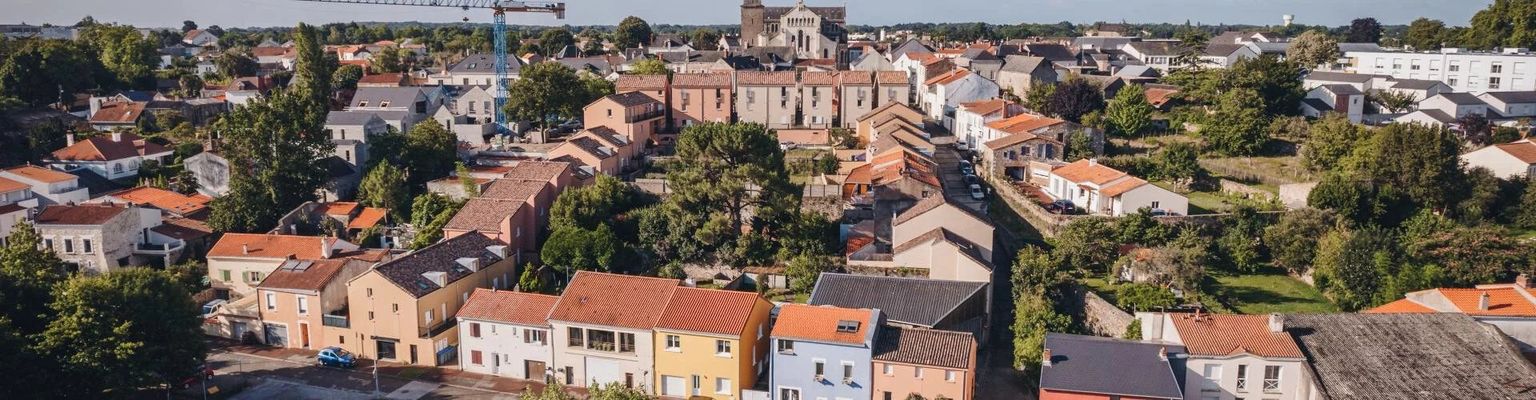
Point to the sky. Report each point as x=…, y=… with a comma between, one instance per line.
x=263, y=13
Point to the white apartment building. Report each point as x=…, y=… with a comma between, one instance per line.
x=505, y=333
x=1232, y=357
x=1462, y=70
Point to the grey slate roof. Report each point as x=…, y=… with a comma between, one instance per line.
x=484, y=64
x=1025, y=64
x=1342, y=89
x=1348, y=47
x=976, y=53
x=349, y=118
x=1415, y=84
x=1331, y=76
x=924, y=302
x=1100, y=43
x=443, y=256
x=1410, y=356
x=1158, y=48
x=398, y=97
x=1511, y=97
x=1317, y=104
x=1050, y=51
x=1462, y=99
x=911, y=46
x=1439, y=116
x=1111, y=367
x=1222, y=50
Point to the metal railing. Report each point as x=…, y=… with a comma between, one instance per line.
x=336, y=321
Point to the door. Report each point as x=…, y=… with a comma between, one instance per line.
x=672, y=386
x=277, y=335
x=413, y=354
x=602, y=370
x=304, y=335
x=495, y=364
x=533, y=370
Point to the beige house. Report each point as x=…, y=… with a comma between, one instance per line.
x=856, y=96
x=240, y=261
x=885, y=114
x=599, y=148
x=603, y=329
x=949, y=240
x=768, y=98
x=818, y=99
x=101, y=238
x=1508, y=160
x=636, y=116
x=510, y=211
x=894, y=88
x=404, y=310
x=300, y=296
x=47, y=185
x=701, y=98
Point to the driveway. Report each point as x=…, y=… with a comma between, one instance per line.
x=955, y=187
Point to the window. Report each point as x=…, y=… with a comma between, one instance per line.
x=697, y=383
x=575, y=337
x=253, y=276
x=85, y=246
x=917, y=372
x=48, y=244
x=788, y=394
x=786, y=346
x=723, y=348
x=626, y=343
x=949, y=376
x=271, y=301
x=847, y=372
x=889, y=370
x=1156, y=205
x=821, y=368
x=370, y=315
x=1451, y=81
x=474, y=329
x=1493, y=82
x=370, y=291
x=535, y=336
x=395, y=307
x=1496, y=68
x=1413, y=65
x=674, y=343
x=1212, y=377
x=474, y=357
x=1455, y=66
x=1271, y=378
x=303, y=305
x=1242, y=378
x=722, y=386
x=600, y=340
x=427, y=315
x=69, y=245
x=224, y=275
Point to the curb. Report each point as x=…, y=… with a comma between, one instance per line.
x=360, y=372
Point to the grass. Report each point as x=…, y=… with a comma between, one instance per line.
x=1262, y=171
x=1271, y=291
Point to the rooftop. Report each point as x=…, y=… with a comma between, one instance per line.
x=270, y=246
x=164, y=199
x=103, y=148
x=1410, y=356
x=914, y=301
x=407, y=271
x=1088, y=170
x=720, y=312
x=505, y=306
x=625, y=301
x=821, y=324
x=1222, y=335
x=83, y=214
x=41, y=174
x=943, y=349
x=1087, y=364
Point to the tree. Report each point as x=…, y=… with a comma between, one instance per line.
x=1313, y=48
x=1425, y=34
x=1076, y=97
x=1143, y=297
x=346, y=77
x=1473, y=255
x=546, y=90
x=1038, y=98
x=804, y=270
x=389, y=60
x=1132, y=330
x=705, y=39
x=1363, y=30
x=1178, y=162
x=235, y=63
x=1525, y=213
x=554, y=40
x=1141, y=229
x=1346, y=265
x=29, y=273
x=384, y=187
x=1277, y=82
x=274, y=148
x=1129, y=113
x=1034, y=316
x=126, y=55
x=1475, y=129
x=1191, y=49
x=106, y=345
x=1330, y=140
x=429, y=213
x=532, y=281
x=1393, y=101
x=430, y=152
x=631, y=33
x=1087, y=243
x=650, y=66
x=1421, y=162
x=726, y=170
x=311, y=71
x=1237, y=128
x=615, y=391
x=1292, y=242
x=37, y=71
x=1037, y=271
x=1505, y=23
x=571, y=249
x=188, y=26
x=589, y=206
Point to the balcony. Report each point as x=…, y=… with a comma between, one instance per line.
x=336, y=320
x=438, y=328
x=648, y=115
x=159, y=249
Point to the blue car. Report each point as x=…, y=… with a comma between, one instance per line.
x=336, y=357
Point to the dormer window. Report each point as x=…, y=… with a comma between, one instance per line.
x=363, y=103
x=384, y=103
x=846, y=326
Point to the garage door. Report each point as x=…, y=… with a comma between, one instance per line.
x=672, y=386
x=602, y=371
x=277, y=335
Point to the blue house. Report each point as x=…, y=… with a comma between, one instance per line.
x=823, y=353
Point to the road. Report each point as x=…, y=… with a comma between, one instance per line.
x=271, y=377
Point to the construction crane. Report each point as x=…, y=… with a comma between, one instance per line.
x=499, y=10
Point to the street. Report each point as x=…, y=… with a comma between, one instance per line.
x=296, y=376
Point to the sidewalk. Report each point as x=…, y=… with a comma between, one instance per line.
x=446, y=375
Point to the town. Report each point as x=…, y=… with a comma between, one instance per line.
x=797, y=206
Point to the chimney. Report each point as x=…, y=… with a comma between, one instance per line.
x=1523, y=280
x=1276, y=323
x=437, y=277
x=1482, y=302
x=1162, y=353
x=69, y=139
x=117, y=136
x=245, y=249
x=1045, y=357
x=1093, y=161
x=326, y=247
x=471, y=263
x=499, y=250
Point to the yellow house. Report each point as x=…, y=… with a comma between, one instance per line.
x=404, y=310
x=711, y=343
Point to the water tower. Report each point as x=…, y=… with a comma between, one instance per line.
x=1288, y=18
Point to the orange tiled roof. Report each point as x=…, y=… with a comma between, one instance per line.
x=369, y=218
x=891, y=78
x=765, y=78
x=103, y=148
x=165, y=199
x=1087, y=170
x=7, y=185
x=340, y=208
x=818, y=78
x=624, y=301
x=1523, y=150
x=948, y=77
x=985, y=107
x=1023, y=123
x=819, y=323
x=41, y=174
x=83, y=214
x=1229, y=334
x=1159, y=96
x=629, y=83
x=520, y=308
x=720, y=312
x=702, y=80
x=268, y=246
x=1506, y=301
x=1124, y=185
x=125, y=112
x=1402, y=306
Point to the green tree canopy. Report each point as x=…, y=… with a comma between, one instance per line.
x=547, y=90
x=385, y=187
x=1073, y=99
x=650, y=66
x=1129, y=113
x=632, y=32
x=1426, y=34
x=1363, y=30
x=555, y=39
x=1313, y=48
x=123, y=331
x=1237, y=128
x=274, y=148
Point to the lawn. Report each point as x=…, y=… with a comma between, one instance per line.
x=1268, y=171
x=1270, y=293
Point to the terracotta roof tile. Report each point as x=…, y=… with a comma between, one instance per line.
x=819, y=323
x=164, y=199
x=623, y=301
x=1400, y=306
x=513, y=189
x=1124, y=185
x=891, y=77
x=341, y=208
x=762, y=78
x=103, y=148
x=929, y=204
x=985, y=107
x=1523, y=150
x=720, y=312
x=537, y=170
x=530, y=309
x=123, y=112
x=704, y=80
x=1088, y=171
x=41, y=174
x=83, y=214
x=1229, y=334
x=856, y=78
x=269, y=246
x=183, y=228
x=944, y=349
x=1504, y=301
x=368, y=218
x=627, y=83
x=818, y=78
x=483, y=214
x=311, y=275
x=7, y=185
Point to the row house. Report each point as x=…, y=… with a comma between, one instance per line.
x=1024, y=146
x=911, y=302
x=818, y=99
x=603, y=329
x=238, y=262
x=900, y=173
x=769, y=98
x=1462, y=70
x=477, y=70
x=636, y=116
x=944, y=93
x=1020, y=73
x=506, y=333
x=600, y=149
x=1075, y=367
x=510, y=211
x=117, y=155
x=1334, y=98
x=943, y=240
x=971, y=119
x=711, y=343
x=404, y=310
x=1101, y=190
x=928, y=363
x=299, y=298
x=46, y=185
x=823, y=352
x=897, y=114
x=697, y=98
x=1229, y=356
x=350, y=131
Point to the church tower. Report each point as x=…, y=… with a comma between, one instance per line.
x=751, y=22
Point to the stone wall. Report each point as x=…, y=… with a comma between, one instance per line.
x=1248, y=192
x=1102, y=318
x=1294, y=195
x=657, y=187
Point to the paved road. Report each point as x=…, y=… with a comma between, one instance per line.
x=302, y=379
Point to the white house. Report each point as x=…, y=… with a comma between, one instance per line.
x=477, y=70
x=1511, y=104
x=1102, y=190
x=114, y=156
x=350, y=131
x=1455, y=104
x=1232, y=356
x=1339, y=98
x=945, y=93
x=505, y=333
x=1508, y=160
x=46, y=185
x=971, y=119
x=603, y=328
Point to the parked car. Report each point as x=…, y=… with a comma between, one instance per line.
x=976, y=192
x=966, y=166
x=1061, y=207
x=336, y=357
x=206, y=373
x=971, y=179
